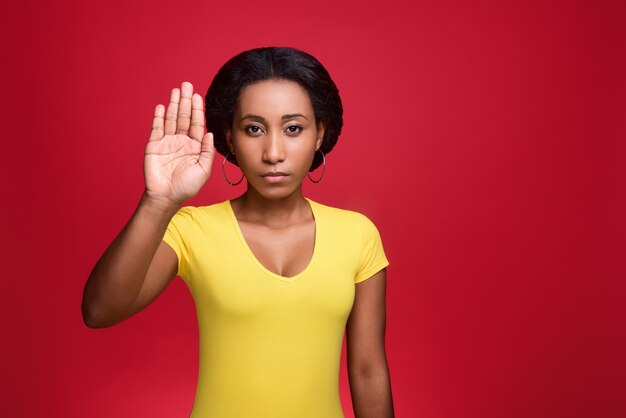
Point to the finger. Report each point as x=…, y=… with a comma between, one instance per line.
x=172, y=113
x=207, y=152
x=157, y=123
x=184, y=109
x=196, y=130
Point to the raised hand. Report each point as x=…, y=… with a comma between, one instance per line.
x=179, y=154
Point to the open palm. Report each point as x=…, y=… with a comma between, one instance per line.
x=179, y=155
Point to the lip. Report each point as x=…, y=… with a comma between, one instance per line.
x=274, y=176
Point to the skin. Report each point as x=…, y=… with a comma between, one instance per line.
x=274, y=129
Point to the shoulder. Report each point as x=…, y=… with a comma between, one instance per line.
x=343, y=218
x=202, y=214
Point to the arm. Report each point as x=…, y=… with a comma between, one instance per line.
x=368, y=371
x=138, y=265
x=133, y=270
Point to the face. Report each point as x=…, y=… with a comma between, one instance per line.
x=274, y=136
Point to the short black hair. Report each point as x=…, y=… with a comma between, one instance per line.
x=267, y=63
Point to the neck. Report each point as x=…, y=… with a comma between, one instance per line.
x=255, y=208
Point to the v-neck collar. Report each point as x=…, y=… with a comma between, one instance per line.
x=247, y=248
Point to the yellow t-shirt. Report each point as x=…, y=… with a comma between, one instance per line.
x=270, y=346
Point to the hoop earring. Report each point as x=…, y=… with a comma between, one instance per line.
x=224, y=171
x=323, y=169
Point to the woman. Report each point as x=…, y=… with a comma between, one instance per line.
x=276, y=277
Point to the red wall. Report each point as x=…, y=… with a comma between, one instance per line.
x=485, y=139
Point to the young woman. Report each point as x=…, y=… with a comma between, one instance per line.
x=276, y=277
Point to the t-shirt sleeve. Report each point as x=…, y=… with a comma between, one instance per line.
x=176, y=236
x=373, y=258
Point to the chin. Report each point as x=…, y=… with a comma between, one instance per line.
x=275, y=192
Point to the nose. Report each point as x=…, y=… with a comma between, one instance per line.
x=274, y=149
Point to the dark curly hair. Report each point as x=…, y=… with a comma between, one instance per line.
x=268, y=63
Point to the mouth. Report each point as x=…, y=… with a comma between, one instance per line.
x=274, y=176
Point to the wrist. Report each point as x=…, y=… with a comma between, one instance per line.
x=159, y=205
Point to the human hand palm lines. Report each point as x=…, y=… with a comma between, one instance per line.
x=179, y=155
x=174, y=157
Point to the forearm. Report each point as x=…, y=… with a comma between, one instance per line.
x=117, y=277
x=371, y=395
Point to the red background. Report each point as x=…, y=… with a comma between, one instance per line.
x=485, y=139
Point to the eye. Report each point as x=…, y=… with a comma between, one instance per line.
x=294, y=129
x=253, y=129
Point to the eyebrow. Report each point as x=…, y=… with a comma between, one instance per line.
x=284, y=117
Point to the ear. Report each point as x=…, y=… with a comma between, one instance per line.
x=229, y=139
x=321, y=128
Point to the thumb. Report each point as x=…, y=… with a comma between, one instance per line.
x=207, y=152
